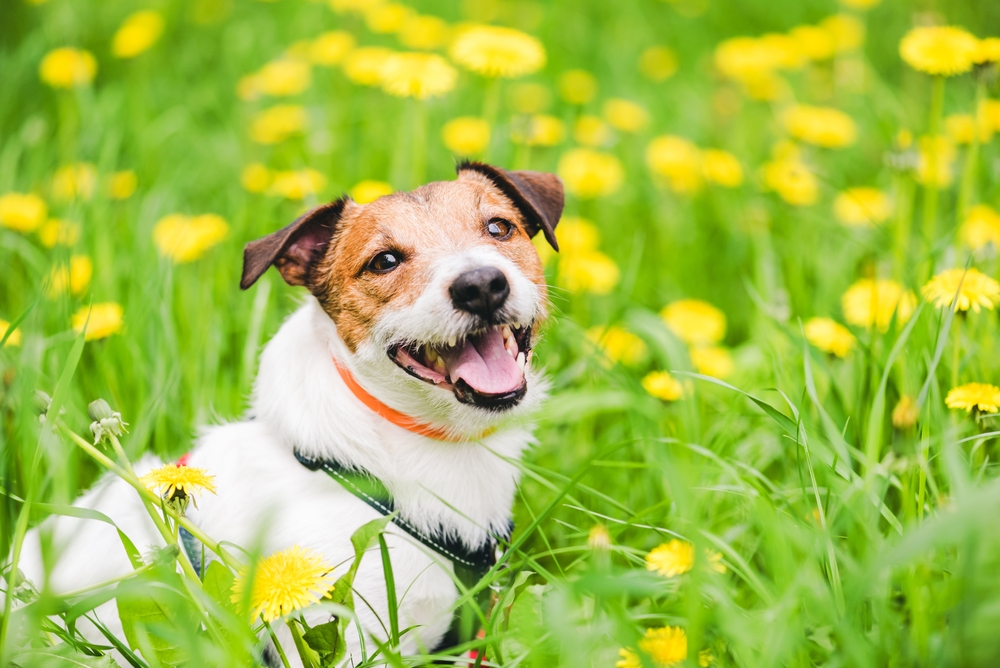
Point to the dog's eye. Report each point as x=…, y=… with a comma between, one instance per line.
x=498, y=228
x=384, y=262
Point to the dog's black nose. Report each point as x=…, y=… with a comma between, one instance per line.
x=480, y=291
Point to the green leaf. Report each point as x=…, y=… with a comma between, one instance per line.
x=148, y=608
x=134, y=557
x=327, y=640
x=218, y=584
x=60, y=656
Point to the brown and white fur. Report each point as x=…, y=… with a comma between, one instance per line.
x=364, y=318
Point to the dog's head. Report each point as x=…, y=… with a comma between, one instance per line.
x=438, y=292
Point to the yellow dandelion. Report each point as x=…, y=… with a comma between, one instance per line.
x=829, y=336
x=283, y=77
x=330, y=48
x=665, y=646
x=15, y=337
x=424, y=33
x=137, y=34
x=663, y=386
x=529, y=98
x=492, y=51
x=973, y=290
x=577, y=86
x=821, y=126
x=186, y=238
x=962, y=128
x=713, y=361
x=587, y=173
x=792, y=180
x=75, y=278
x=625, y=115
x=813, y=42
x=369, y=191
x=78, y=180
x=721, y=167
x=939, y=50
x=364, y=65
x=872, y=302
x=903, y=139
x=980, y=228
x=255, y=177
x=122, y=184
x=284, y=582
x=105, y=320
x=671, y=559
x=905, y=415
x=587, y=271
x=278, y=123
x=418, y=75
x=22, y=212
x=591, y=131
x=746, y=59
x=677, y=160
x=352, y=6
x=848, y=32
x=466, y=135
x=618, y=344
x=576, y=236
x=989, y=113
x=296, y=184
x=935, y=160
x=67, y=67
x=388, y=17
x=974, y=396
x=176, y=481
x=658, y=63
x=987, y=51
x=860, y=4
x=862, y=206
x=59, y=232
x=539, y=130
x=694, y=321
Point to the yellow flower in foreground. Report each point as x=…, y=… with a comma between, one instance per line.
x=122, y=184
x=792, y=180
x=625, y=115
x=186, y=238
x=822, y=126
x=670, y=559
x=663, y=386
x=331, y=48
x=61, y=232
x=694, y=321
x=676, y=159
x=67, y=67
x=658, y=63
x=283, y=77
x=76, y=277
x=139, y=32
x=981, y=227
x=873, y=302
x=466, y=135
x=178, y=481
x=15, y=337
x=284, y=582
x=364, y=65
x=665, y=646
x=73, y=181
x=22, y=212
x=939, y=50
x=974, y=290
x=255, y=177
x=492, y=51
x=278, y=123
x=618, y=344
x=588, y=174
x=862, y=206
x=105, y=320
x=296, y=184
x=713, y=361
x=418, y=75
x=424, y=33
x=587, y=271
x=577, y=86
x=721, y=167
x=979, y=396
x=905, y=415
x=539, y=130
x=829, y=336
x=369, y=191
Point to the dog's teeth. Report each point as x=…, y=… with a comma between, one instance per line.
x=431, y=355
x=506, y=332
x=520, y=360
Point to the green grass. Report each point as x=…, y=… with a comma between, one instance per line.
x=847, y=542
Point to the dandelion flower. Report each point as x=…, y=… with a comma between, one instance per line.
x=587, y=271
x=576, y=236
x=418, y=75
x=75, y=278
x=466, y=135
x=618, y=344
x=973, y=289
x=848, y=32
x=860, y=4
x=59, y=232
x=694, y=321
x=330, y=48
x=713, y=361
x=658, y=63
x=873, y=302
x=746, y=59
x=186, y=238
x=530, y=98
x=577, y=86
x=15, y=337
x=122, y=184
x=792, y=180
x=284, y=582
x=974, y=396
x=862, y=206
x=384, y=18
x=625, y=115
x=663, y=386
x=721, y=167
x=591, y=131
x=176, y=481
x=962, y=128
x=364, y=65
x=283, y=77
x=939, y=50
x=22, y=212
x=981, y=228
x=492, y=51
x=255, y=177
x=67, y=67
x=677, y=160
x=424, y=33
x=369, y=191
x=665, y=646
x=137, y=34
x=78, y=180
x=989, y=113
x=539, y=130
x=105, y=320
x=934, y=162
x=297, y=184
x=671, y=559
x=813, y=42
x=588, y=174
x=821, y=126
x=278, y=123
x=988, y=51
x=905, y=415
x=829, y=336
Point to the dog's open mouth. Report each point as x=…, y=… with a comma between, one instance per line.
x=486, y=369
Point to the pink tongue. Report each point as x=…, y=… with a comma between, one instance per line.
x=484, y=364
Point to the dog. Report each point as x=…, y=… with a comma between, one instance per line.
x=409, y=360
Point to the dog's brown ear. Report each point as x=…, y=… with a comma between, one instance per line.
x=294, y=249
x=538, y=196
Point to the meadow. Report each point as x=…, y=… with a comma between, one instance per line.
x=771, y=433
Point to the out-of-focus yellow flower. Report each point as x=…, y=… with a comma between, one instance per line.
x=78, y=180
x=591, y=131
x=766, y=86
x=278, y=123
x=721, y=167
x=873, y=302
x=67, y=67
x=186, y=238
x=283, y=77
x=74, y=278
x=792, y=180
x=15, y=337
x=530, y=98
x=588, y=174
x=284, y=582
x=671, y=559
x=299, y=49
x=694, y=321
x=587, y=271
x=255, y=177
x=539, y=130
x=658, y=63
x=122, y=184
x=981, y=227
x=577, y=86
x=466, y=135
x=860, y=4
x=962, y=128
x=973, y=288
x=365, y=64
x=713, y=361
x=353, y=6
x=424, y=33
x=369, y=191
x=905, y=415
x=576, y=236
x=746, y=58
x=665, y=646
x=822, y=126
x=988, y=51
x=388, y=17
x=61, y=232
x=418, y=75
x=982, y=397
x=677, y=160
x=597, y=539
x=829, y=336
x=492, y=51
x=297, y=184
x=790, y=57
x=848, y=32
x=625, y=115
x=934, y=163
x=618, y=344
x=105, y=319
x=813, y=42
x=22, y=212
x=862, y=206
x=903, y=139
x=939, y=50
x=663, y=386
x=330, y=48
x=139, y=32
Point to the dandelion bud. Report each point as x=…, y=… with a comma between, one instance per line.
x=42, y=402
x=106, y=422
x=99, y=410
x=599, y=538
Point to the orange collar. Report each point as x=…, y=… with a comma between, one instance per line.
x=400, y=419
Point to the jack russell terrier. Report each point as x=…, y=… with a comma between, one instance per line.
x=410, y=363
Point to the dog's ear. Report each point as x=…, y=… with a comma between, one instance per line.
x=294, y=249
x=538, y=196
